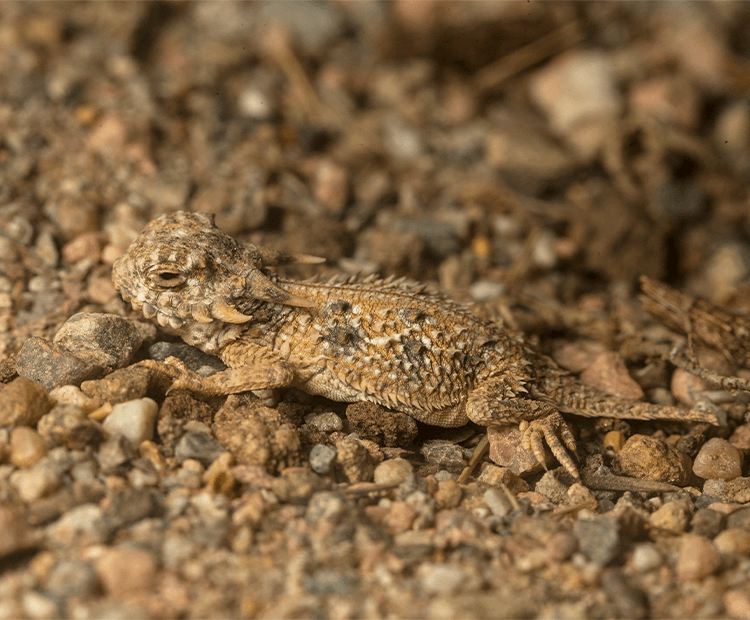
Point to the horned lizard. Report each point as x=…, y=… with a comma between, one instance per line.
x=392, y=342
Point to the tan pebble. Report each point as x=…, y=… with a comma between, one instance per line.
x=733, y=540
x=671, y=517
x=85, y=246
x=400, y=517
x=740, y=438
x=579, y=494
x=686, y=387
x=125, y=572
x=609, y=374
x=23, y=402
x=651, y=459
x=72, y=394
x=613, y=440
x=718, y=459
x=15, y=533
x=355, y=460
x=101, y=290
x=218, y=476
x=37, y=481
x=697, y=558
x=507, y=450
x=578, y=356
x=149, y=450
x=393, y=472
x=737, y=603
x=108, y=136
x=495, y=476
x=331, y=186
x=26, y=446
x=448, y=494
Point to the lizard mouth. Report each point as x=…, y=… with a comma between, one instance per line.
x=202, y=313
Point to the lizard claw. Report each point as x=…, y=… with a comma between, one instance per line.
x=551, y=429
x=182, y=377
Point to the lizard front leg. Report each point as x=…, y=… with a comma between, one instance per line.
x=495, y=403
x=257, y=369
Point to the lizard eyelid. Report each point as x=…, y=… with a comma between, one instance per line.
x=166, y=277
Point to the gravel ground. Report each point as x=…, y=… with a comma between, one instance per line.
x=534, y=158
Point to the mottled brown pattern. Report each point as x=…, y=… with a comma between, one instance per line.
x=392, y=342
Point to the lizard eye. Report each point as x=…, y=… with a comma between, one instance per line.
x=166, y=277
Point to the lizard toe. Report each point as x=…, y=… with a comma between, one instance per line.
x=552, y=429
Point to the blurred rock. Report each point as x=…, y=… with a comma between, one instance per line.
x=23, y=402
x=609, y=374
x=578, y=91
x=718, y=459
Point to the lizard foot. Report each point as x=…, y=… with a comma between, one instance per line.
x=182, y=377
x=551, y=428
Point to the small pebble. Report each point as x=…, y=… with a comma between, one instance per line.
x=66, y=424
x=696, y=559
x=707, y=522
x=125, y=572
x=23, y=402
x=199, y=446
x=400, y=517
x=445, y=579
x=613, y=440
x=737, y=603
x=325, y=422
x=609, y=374
x=295, y=485
x=83, y=525
x=322, y=458
x=218, y=477
x=393, y=472
x=507, y=450
x=495, y=476
x=599, y=538
x=498, y=502
x=325, y=506
x=577, y=356
x=718, y=459
x=114, y=452
x=51, y=366
x=686, y=387
x=355, y=460
x=645, y=557
x=26, y=447
x=740, y=438
x=15, y=532
x=651, y=459
x=731, y=491
x=448, y=494
x=552, y=488
x=72, y=578
x=733, y=540
x=672, y=517
x=133, y=419
x=37, y=481
x=37, y=606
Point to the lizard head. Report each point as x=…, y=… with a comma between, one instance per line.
x=182, y=267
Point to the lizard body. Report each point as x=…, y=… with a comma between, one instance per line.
x=392, y=342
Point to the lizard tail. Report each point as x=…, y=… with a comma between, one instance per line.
x=570, y=396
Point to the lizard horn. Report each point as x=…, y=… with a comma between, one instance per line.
x=222, y=311
x=260, y=287
x=270, y=258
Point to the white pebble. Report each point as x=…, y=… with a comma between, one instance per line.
x=133, y=419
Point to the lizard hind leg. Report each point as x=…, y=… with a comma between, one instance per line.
x=490, y=404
